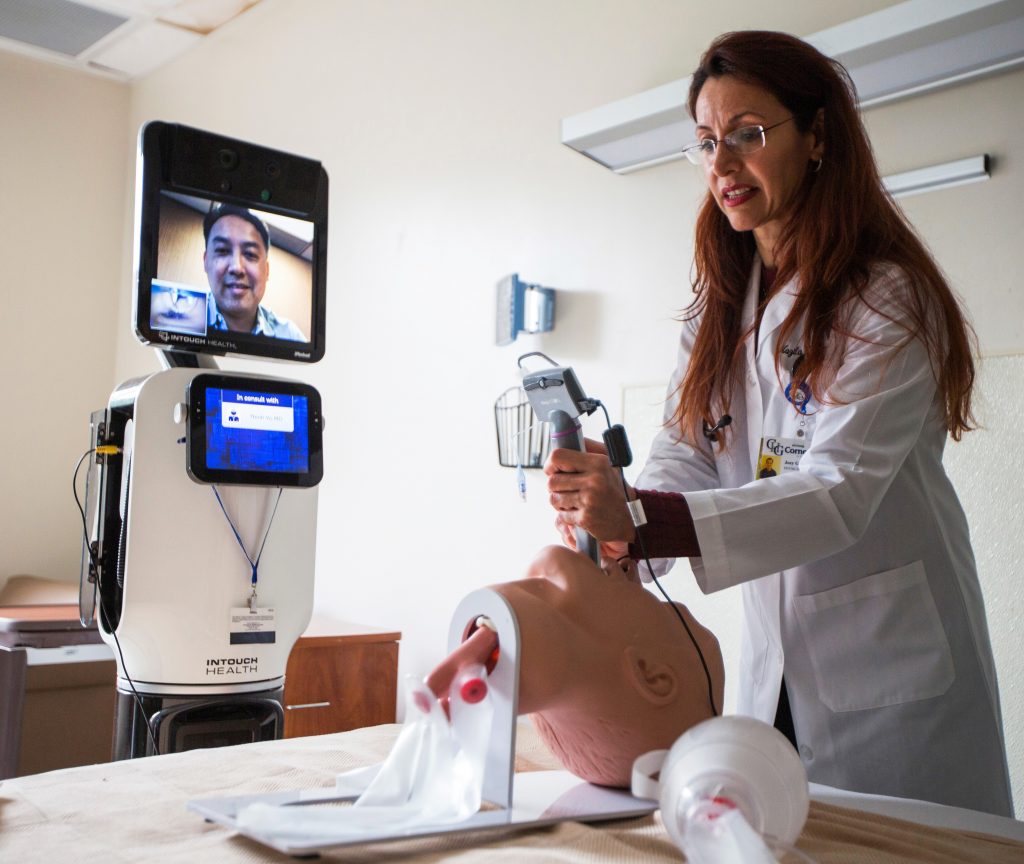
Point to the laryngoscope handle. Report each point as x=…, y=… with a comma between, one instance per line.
x=567, y=433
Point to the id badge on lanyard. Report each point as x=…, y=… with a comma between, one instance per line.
x=781, y=454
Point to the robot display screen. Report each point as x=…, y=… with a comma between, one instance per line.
x=254, y=431
x=231, y=247
x=223, y=270
x=248, y=431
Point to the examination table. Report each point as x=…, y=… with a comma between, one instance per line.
x=135, y=811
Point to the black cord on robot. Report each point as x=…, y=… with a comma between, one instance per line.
x=104, y=612
x=616, y=463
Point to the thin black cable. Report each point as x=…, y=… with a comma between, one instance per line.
x=104, y=611
x=135, y=693
x=85, y=527
x=664, y=593
x=679, y=615
x=74, y=487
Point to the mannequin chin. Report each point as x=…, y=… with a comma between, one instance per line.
x=607, y=670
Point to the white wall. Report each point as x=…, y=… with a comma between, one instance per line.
x=984, y=468
x=439, y=126
x=975, y=233
x=64, y=177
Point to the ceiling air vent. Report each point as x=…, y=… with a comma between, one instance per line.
x=56, y=25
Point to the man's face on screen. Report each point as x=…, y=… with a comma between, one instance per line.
x=237, y=268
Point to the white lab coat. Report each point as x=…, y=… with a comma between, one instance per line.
x=857, y=573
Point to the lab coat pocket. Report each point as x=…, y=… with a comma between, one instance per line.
x=877, y=641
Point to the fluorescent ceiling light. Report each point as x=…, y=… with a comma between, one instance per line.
x=970, y=170
x=910, y=48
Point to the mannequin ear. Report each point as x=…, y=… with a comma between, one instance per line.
x=653, y=680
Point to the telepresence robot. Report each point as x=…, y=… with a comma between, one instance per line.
x=201, y=498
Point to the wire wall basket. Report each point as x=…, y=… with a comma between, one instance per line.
x=523, y=440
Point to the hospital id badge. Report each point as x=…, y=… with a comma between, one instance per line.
x=779, y=456
x=253, y=626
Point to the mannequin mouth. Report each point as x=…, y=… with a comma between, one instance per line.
x=733, y=196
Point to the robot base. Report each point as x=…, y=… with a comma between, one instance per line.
x=189, y=722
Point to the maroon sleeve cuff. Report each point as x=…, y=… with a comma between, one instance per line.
x=669, y=532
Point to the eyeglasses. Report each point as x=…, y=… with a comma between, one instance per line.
x=742, y=142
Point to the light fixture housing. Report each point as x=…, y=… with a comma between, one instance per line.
x=970, y=170
x=895, y=53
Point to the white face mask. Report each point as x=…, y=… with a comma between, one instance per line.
x=729, y=788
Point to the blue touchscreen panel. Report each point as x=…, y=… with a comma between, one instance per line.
x=256, y=431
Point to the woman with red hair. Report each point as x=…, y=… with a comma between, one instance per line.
x=822, y=335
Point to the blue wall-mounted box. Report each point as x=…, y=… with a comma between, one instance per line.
x=522, y=308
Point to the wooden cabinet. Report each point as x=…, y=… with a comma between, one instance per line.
x=340, y=676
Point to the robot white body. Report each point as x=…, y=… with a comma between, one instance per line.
x=185, y=576
x=189, y=629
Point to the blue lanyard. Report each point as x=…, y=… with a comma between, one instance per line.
x=253, y=564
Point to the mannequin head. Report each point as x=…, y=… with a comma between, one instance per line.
x=607, y=670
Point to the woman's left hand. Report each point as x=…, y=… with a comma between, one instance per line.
x=587, y=493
